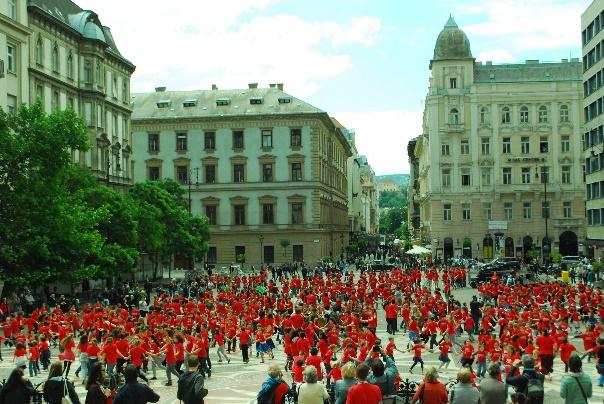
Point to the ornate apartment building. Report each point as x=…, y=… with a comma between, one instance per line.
x=592, y=29
x=498, y=168
x=266, y=168
x=63, y=56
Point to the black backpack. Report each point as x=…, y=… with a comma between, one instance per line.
x=534, y=389
x=268, y=397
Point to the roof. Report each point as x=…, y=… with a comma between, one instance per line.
x=452, y=43
x=204, y=104
x=530, y=71
x=85, y=22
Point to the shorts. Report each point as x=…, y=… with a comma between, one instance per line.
x=444, y=358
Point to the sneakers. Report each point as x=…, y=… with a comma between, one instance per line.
x=228, y=360
x=168, y=384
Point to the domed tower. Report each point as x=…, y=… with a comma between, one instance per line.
x=452, y=44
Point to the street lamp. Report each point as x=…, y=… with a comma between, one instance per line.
x=261, y=238
x=436, y=243
x=545, y=241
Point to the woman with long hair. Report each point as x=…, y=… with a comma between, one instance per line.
x=97, y=393
x=67, y=356
x=55, y=385
x=17, y=389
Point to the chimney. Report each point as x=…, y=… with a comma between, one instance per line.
x=252, y=85
x=214, y=87
x=280, y=86
x=160, y=89
x=272, y=85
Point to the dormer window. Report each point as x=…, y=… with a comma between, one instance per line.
x=189, y=103
x=223, y=101
x=285, y=100
x=164, y=103
x=256, y=100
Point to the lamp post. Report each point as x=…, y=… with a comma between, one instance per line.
x=436, y=243
x=261, y=238
x=545, y=242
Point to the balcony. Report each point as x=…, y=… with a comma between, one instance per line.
x=568, y=223
x=453, y=127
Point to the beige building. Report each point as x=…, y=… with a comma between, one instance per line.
x=499, y=165
x=386, y=185
x=592, y=24
x=62, y=55
x=266, y=168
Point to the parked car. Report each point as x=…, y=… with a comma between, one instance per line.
x=503, y=262
x=569, y=261
x=503, y=266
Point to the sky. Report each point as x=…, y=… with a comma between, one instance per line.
x=364, y=62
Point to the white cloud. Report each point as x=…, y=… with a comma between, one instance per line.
x=522, y=25
x=193, y=46
x=496, y=55
x=383, y=136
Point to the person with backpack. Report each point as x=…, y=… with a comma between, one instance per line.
x=190, y=383
x=274, y=389
x=530, y=382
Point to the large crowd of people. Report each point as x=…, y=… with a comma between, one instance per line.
x=325, y=321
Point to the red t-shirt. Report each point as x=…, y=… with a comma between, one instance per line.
x=546, y=344
x=136, y=356
x=110, y=352
x=92, y=351
x=364, y=393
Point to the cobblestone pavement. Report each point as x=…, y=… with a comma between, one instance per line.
x=238, y=383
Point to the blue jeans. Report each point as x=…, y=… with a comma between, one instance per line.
x=110, y=367
x=32, y=369
x=481, y=369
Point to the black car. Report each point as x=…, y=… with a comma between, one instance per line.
x=502, y=266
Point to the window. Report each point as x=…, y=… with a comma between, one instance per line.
x=466, y=179
x=544, y=174
x=239, y=252
x=454, y=117
x=70, y=66
x=465, y=211
x=566, y=174
x=267, y=172
x=87, y=71
x=507, y=175
x=524, y=114
x=11, y=104
x=544, y=209
x=564, y=113
x=485, y=145
x=485, y=174
x=212, y=257
x=71, y=102
x=238, y=139
x=268, y=216
x=505, y=115
x=296, y=171
x=297, y=213
x=153, y=173
x=487, y=211
x=446, y=175
x=484, y=116
x=525, y=145
x=464, y=147
x=447, y=212
x=506, y=145
x=444, y=149
x=508, y=210
x=453, y=82
x=181, y=142
x=11, y=57
x=543, y=114
x=543, y=144
x=88, y=113
x=54, y=101
x=269, y=254
x=38, y=51
x=295, y=137
x=153, y=142
x=526, y=210
x=267, y=139
x=54, y=60
x=210, y=173
x=40, y=93
x=125, y=90
x=114, y=86
x=238, y=172
x=12, y=9
x=209, y=140
x=526, y=175
x=298, y=252
x=97, y=73
x=239, y=211
x=182, y=174
x=565, y=144
x=567, y=209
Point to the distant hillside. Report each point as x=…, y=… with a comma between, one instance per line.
x=400, y=179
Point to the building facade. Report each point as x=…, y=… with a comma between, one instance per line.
x=592, y=24
x=499, y=163
x=386, y=185
x=267, y=169
x=55, y=52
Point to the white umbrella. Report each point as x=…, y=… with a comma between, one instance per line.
x=418, y=250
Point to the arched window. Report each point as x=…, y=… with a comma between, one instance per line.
x=505, y=115
x=484, y=116
x=524, y=114
x=564, y=113
x=38, y=51
x=55, y=58
x=543, y=114
x=70, y=65
x=454, y=116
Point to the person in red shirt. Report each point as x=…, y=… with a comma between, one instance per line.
x=391, y=347
x=445, y=346
x=546, y=344
x=417, y=348
x=169, y=349
x=33, y=354
x=363, y=392
x=566, y=349
x=391, y=310
x=137, y=356
x=244, y=343
x=467, y=351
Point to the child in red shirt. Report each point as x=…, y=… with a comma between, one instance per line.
x=34, y=354
x=417, y=348
x=297, y=371
x=566, y=349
